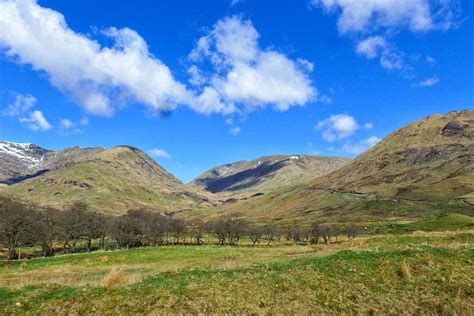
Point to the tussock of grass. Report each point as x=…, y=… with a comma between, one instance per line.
x=114, y=278
x=405, y=270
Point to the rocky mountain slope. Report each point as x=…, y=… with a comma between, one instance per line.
x=423, y=168
x=266, y=173
x=432, y=159
x=112, y=181
x=20, y=161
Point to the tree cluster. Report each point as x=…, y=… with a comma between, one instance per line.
x=79, y=228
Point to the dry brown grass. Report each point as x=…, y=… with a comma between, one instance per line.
x=405, y=270
x=114, y=278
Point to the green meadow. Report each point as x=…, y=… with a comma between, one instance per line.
x=406, y=273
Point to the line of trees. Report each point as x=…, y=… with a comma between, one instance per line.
x=79, y=228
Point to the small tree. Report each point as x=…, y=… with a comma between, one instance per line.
x=270, y=233
x=327, y=232
x=351, y=231
x=255, y=234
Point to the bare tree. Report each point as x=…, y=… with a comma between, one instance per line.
x=15, y=225
x=270, y=233
x=296, y=233
x=197, y=229
x=351, y=231
x=255, y=234
x=178, y=227
x=327, y=232
x=46, y=230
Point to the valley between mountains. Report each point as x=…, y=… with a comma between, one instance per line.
x=423, y=168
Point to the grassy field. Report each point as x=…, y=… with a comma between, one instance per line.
x=419, y=272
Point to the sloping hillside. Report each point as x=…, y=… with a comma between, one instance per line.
x=423, y=168
x=266, y=173
x=432, y=159
x=112, y=181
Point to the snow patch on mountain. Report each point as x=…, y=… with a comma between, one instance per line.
x=29, y=154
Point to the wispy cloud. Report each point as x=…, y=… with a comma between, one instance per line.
x=428, y=82
x=370, y=23
x=234, y=131
x=36, y=122
x=159, y=153
x=68, y=126
x=21, y=108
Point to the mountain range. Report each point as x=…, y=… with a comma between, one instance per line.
x=426, y=166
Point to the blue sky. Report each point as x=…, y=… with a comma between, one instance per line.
x=202, y=83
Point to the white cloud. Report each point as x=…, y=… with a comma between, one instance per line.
x=368, y=125
x=21, y=108
x=372, y=21
x=377, y=46
x=160, y=153
x=371, y=47
x=246, y=76
x=68, y=126
x=97, y=77
x=234, y=131
x=428, y=82
x=196, y=77
x=21, y=105
x=370, y=15
x=337, y=127
x=36, y=121
x=361, y=146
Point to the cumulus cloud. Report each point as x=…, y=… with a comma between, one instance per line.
x=428, y=82
x=67, y=126
x=245, y=76
x=360, y=147
x=36, y=121
x=337, y=127
x=97, y=77
x=159, y=153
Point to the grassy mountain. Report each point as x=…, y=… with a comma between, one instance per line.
x=112, y=181
x=423, y=168
x=266, y=173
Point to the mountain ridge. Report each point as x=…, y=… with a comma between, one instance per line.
x=112, y=181
x=265, y=173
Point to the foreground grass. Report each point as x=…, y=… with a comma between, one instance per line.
x=413, y=273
